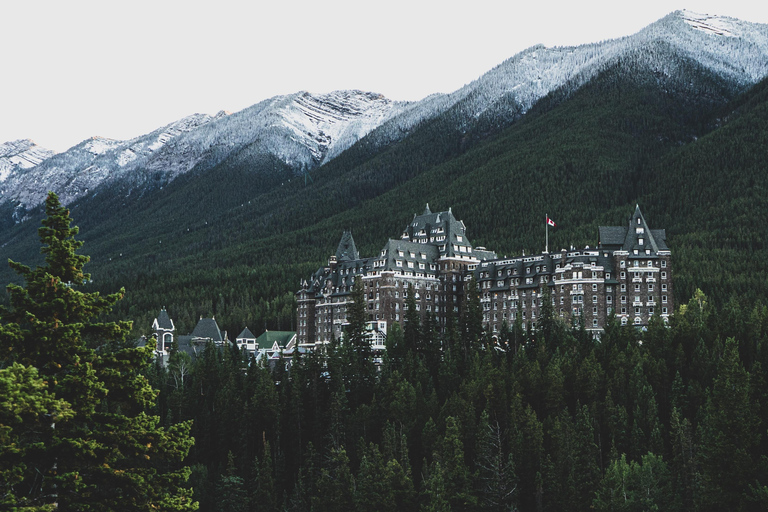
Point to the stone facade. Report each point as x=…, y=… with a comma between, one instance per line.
x=430, y=259
x=629, y=273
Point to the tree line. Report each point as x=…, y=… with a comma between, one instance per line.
x=668, y=418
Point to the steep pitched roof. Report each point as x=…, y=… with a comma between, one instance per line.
x=636, y=236
x=346, y=251
x=207, y=328
x=246, y=334
x=163, y=321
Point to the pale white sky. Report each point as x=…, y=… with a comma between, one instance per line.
x=74, y=69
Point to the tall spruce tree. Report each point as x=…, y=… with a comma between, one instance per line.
x=110, y=454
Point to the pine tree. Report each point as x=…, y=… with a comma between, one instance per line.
x=357, y=349
x=230, y=489
x=729, y=434
x=455, y=472
x=496, y=471
x=27, y=412
x=111, y=454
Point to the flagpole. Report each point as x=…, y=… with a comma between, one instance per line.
x=546, y=223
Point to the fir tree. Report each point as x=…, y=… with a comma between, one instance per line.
x=111, y=454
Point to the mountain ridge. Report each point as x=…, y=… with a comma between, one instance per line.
x=306, y=131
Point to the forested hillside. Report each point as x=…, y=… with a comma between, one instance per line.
x=225, y=242
x=672, y=418
x=669, y=419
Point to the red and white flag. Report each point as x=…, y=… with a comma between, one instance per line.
x=550, y=222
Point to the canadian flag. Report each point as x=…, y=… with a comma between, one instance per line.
x=550, y=222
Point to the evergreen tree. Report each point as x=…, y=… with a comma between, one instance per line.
x=496, y=470
x=357, y=347
x=729, y=434
x=111, y=454
x=335, y=484
x=231, y=495
x=27, y=413
x=456, y=475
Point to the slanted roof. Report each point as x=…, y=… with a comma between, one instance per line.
x=163, y=321
x=268, y=339
x=627, y=238
x=611, y=235
x=207, y=328
x=346, y=251
x=246, y=334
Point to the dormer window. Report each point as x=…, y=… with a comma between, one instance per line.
x=640, y=241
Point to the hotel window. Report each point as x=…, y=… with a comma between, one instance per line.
x=663, y=275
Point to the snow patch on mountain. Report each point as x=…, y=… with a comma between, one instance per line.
x=322, y=122
x=84, y=167
x=306, y=130
x=717, y=25
x=20, y=155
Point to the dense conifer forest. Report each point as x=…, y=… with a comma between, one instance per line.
x=672, y=418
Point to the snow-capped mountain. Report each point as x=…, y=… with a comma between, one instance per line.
x=307, y=130
x=302, y=129
x=733, y=49
x=20, y=155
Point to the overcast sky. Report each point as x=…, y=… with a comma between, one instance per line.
x=74, y=69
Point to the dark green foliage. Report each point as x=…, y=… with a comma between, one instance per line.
x=87, y=440
x=673, y=418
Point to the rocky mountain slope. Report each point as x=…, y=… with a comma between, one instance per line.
x=305, y=130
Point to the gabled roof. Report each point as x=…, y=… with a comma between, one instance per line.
x=629, y=238
x=267, y=340
x=207, y=328
x=163, y=321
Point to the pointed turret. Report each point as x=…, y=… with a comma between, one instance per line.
x=346, y=251
x=163, y=328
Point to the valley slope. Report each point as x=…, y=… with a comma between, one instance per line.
x=649, y=121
